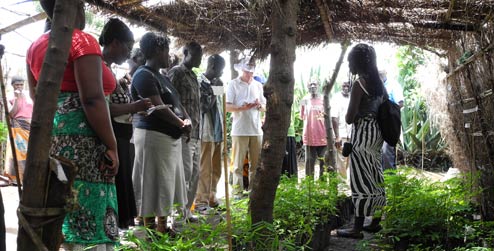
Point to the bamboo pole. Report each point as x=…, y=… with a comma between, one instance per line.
x=225, y=171
x=11, y=136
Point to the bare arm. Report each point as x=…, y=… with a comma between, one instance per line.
x=166, y=114
x=335, y=122
x=88, y=75
x=235, y=108
x=355, y=97
x=138, y=106
x=31, y=82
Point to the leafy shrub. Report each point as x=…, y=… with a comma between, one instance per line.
x=298, y=208
x=426, y=214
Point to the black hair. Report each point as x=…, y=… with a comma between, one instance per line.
x=363, y=57
x=48, y=6
x=150, y=42
x=216, y=59
x=192, y=46
x=115, y=29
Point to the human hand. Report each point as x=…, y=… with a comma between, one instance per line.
x=186, y=129
x=186, y=126
x=248, y=106
x=142, y=105
x=109, y=165
x=18, y=94
x=338, y=143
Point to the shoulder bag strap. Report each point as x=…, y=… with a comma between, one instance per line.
x=361, y=86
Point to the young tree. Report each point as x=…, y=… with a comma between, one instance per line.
x=38, y=205
x=279, y=94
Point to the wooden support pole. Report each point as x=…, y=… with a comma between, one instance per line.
x=11, y=135
x=279, y=95
x=226, y=173
x=330, y=155
x=26, y=21
x=36, y=176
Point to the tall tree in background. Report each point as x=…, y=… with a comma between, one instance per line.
x=279, y=94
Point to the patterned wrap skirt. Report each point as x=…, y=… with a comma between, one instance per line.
x=94, y=219
x=366, y=175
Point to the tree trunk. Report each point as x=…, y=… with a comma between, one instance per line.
x=330, y=155
x=279, y=94
x=37, y=195
x=233, y=61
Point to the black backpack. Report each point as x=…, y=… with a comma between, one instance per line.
x=389, y=120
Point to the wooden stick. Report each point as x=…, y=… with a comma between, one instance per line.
x=225, y=171
x=11, y=136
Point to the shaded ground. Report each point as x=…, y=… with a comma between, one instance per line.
x=11, y=202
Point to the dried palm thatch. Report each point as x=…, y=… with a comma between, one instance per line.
x=242, y=24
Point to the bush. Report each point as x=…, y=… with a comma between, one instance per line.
x=421, y=213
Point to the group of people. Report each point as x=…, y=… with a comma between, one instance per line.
x=145, y=146
x=151, y=141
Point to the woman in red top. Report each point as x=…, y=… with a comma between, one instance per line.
x=82, y=132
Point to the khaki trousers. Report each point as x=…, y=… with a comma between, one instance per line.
x=342, y=162
x=209, y=172
x=242, y=145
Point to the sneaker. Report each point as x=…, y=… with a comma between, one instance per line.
x=205, y=210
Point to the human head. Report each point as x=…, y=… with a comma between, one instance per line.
x=117, y=41
x=313, y=87
x=216, y=64
x=246, y=67
x=17, y=82
x=155, y=47
x=80, y=19
x=383, y=75
x=136, y=59
x=345, y=88
x=192, y=54
x=361, y=59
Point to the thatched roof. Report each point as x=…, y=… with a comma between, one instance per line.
x=242, y=24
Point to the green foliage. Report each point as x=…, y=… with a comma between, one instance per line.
x=3, y=131
x=430, y=214
x=298, y=208
x=417, y=127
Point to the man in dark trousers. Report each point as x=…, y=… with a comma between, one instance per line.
x=185, y=81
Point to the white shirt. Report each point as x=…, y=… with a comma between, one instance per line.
x=245, y=123
x=339, y=107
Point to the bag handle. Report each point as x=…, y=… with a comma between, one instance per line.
x=361, y=86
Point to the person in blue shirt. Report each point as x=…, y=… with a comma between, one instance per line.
x=395, y=94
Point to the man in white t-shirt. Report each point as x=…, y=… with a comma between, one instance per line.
x=245, y=100
x=342, y=130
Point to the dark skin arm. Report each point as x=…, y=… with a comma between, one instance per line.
x=168, y=115
x=355, y=97
x=138, y=106
x=31, y=82
x=88, y=75
x=335, y=122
